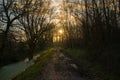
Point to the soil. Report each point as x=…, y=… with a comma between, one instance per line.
x=60, y=68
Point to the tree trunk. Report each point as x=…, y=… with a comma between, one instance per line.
x=5, y=36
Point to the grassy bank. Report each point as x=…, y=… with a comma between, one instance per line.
x=35, y=70
x=102, y=67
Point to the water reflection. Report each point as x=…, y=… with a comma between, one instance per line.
x=10, y=71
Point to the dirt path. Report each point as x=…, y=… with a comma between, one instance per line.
x=60, y=68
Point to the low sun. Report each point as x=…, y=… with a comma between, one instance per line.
x=60, y=31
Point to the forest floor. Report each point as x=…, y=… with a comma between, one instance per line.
x=60, y=67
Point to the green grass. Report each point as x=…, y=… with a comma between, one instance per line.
x=78, y=55
x=92, y=66
x=35, y=70
x=74, y=53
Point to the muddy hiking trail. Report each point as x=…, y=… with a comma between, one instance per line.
x=60, y=67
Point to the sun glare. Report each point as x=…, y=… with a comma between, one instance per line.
x=61, y=31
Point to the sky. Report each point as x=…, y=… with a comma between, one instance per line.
x=57, y=0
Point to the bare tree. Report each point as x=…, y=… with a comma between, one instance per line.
x=36, y=23
x=11, y=10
